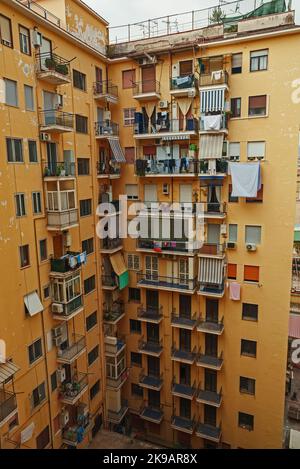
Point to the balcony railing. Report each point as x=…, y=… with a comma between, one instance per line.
x=186, y=391
x=213, y=398
x=105, y=88
x=209, y=432
x=210, y=327
x=54, y=119
x=146, y=87
x=174, y=208
x=183, y=321
x=74, y=435
x=150, y=347
x=68, y=263
x=106, y=129
x=114, y=313
x=214, y=123
x=8, y=404
x=72, y=390
x=116, y=417
x=69, y=354
x=184, y=424
x=160, y=281
x=150, y=314
x=110, y=243
x=168, y=126
x=182, y=355
x=221, y=167
x=212, y=249
x=53, y=68
x=113, y=345
x=167, y=245
x=116, y=383
x=167, y=166
x=59, y=169
x=183, y=82
x=150, y=381
x=152, y=413
x=107, y=169
x=211, y=209
x=213, y=362
x=68, y=309
x=210, y=289
x=214, y=78
x=62, y=220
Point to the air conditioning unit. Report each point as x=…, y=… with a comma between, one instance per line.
x=165, y=189
x=57, y=308
x=36, y=38
x=61, y=374
x=163, y=104
x=58, y=102
x=64, y=418
x=231, y=245
x=251, y=247
x=57, y=331
x=107, y=115
x=191, y=93
x=58, y=340
x=148, y=61
x=45, y=137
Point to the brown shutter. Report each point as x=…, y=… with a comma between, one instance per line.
x=257, y=101
x=149, y=150
x=251, y=273
x=148, y=79
x=129, y=155
x=186, y=68
x=232, y=271
x=128, y=78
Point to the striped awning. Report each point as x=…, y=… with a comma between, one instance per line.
x=117, y=150
x=211, y=270
x=211, y=146
x=7, y=371
x=294, y=326
x=212, y=100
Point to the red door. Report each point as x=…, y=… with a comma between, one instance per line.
x=148, y=79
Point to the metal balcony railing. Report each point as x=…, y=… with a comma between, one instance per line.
x=50, y=62
x=68, y=354
x=213, y=398
x=182, y=354
x=169, y=208
x=176, y=283
x=106, y=129
x=68, y=263
x=116, y=416
x=214, y=78
x=214, y=208
x=166, y=245
x=8, y=404
x=150, y=347
x=151, y=412
x=209, y=431
x=105, y=87
x=183, y=321
x=73, y=306
x=216, y=123
x=116, y=382
x=151, y=381
x=109, y=280
x=168, y=126
x=145, y=167
x=55, y=118
x=70, y=390
x=212, y=289
x=209, y=326
x=145, y=87
x=221, y=167
x=184, y=424
x=59, y=169
x=107, y=169
x=187, y=391
x=207, y=360
x=114, y=312
x=110, y=243
x=183, y=82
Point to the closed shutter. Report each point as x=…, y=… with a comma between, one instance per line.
x=185, y=193
x=251, y=273
x=149, y=150
x=129, y=155
x=232, y=271
x=148, y=79
x=212, y=100
x=128, y=78
x=256, y=149
x=186, y=68
x=150, y=193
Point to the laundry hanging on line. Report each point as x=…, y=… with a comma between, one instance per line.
x=246, y=179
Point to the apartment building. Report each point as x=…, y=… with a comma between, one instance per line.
x=180, y=343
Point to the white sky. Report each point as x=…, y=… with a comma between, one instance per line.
x=119, y=12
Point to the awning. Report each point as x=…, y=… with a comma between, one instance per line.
x=117, y=150
x=7, y=371
x=212, y=100
x=118, y=264
x=211, y=146
x=294, y=326
x=33, y=303
x=211, y=270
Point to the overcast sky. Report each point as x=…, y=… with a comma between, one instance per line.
x=119, y=12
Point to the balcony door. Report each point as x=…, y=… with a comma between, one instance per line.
x=152, y=333
x=148, y=79
x=185, y=374
x=45, y=52
x=185, y=408
x=213, y=233
x=153, y=398
x=212, y=310
x=150, y=193
x=151, y=268
x=185, y=306
x=183, y=265
x=99, y=80
x=153, y=366
x=210, y=380
x=211, y=345
x=210, y=415
x=185, y=193
x=185, y=340
x=52, y=155
x=214, y=197
x=152, y=300
x=50, y=104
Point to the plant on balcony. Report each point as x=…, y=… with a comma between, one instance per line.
x=46, y=172
x=62, y=69
x=218, y=16
x=60, y=171
x=50, y=63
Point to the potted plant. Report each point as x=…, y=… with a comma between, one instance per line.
x=50, y=63
x=46, y=171
x=62, y=69
x=60, y=171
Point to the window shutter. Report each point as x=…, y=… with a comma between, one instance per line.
x=256, y=149
x=232, y=271
x=251, y=273
x=257, y=101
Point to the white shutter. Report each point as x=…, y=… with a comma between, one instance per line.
x=253, y=234
x=150, y=193
x=234, y=149
x=185, y=193
x=256, y=149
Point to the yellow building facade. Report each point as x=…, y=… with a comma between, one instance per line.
x=181, y=344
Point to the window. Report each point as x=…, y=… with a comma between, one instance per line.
x=234, y=151
x=251, y=273
x=91, y=321
x=38, y=395
x=247, y=385
x=232, y=271
x=257, y=105
x=259, y=60
x=252, y=234
x=29, y=100
x=233, y=231
x=12, y=423
x=43, y=250
x=88, y=245
x=11, y=92
x=24, y=36
x=128, y=79
x=185, y=68
x=132, y=191
x=79, y=80
x=258, y=198
x=46, y=292
x=24, y=255
x=134, y=294
x=36, y=203
x=230, y=198
x=83, y=166
x=5, y=31
x=250, y=312
x=35, y=351
x=129, y=155
x=128, y=114
x=32, y=150
x=93, y=355
x=246, y=421
x=85, y=207
x=135, y=359
x=57, y=423
x=14, y=150
x=135, y=326
x=20, y=205
x=136, y=390
x=236, y=64
x=133, y=262
x=43, y=439
x=81, y=124
x=95, y=389
x=256, y=150
x=236, y=107
x=89, y=284
x=248, y=348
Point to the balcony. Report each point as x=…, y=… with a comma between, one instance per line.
x=183, y=390
x=105, y=91
x=212, y=398
x=110, y=245
x=148, y=347
x=209, y=432
x=112, y=208
x=52, y=68
x=212, y=250
x=73, y=351
x=183, y=86
x=113, y=346
x=167, y=209
x=109, y=282
x=8, y=406
x=167, y=246
x=116, y=417
x=70, y=262
x=106, y=129
x=169, y=129
x=67, y=311
x=114, y=384
x=146, y=90
x=62, y=221
x=212, y=290
x=150, y=314
x=210, y=361
x=152, y=414
x=159, y=282
x=181, y=355
x=213, y=210
x=71, y=391
x=212, y=124
x=183, y=321
x=58, y=170
x=62, y=213
x=210, y=327
x=149, y=381
x=167, y=167
x=113, y=314
x=214, y=79
x=109, y=170
x=183, y=424
x=216, y=170
x=54, y=121
x=73, y=435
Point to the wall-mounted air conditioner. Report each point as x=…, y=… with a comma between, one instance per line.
x=163, y=104
x=191, y=93
x=58, y=340
x=57, y=308
x=44, y=137
x=57, y=331
x=61, y=374
x=36, y=38
x=251, y=247
x=231, y=245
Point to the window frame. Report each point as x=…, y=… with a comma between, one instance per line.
x=249, y=427
x=237, y=70
x=21, y=247
x=35, y=196
x=20, y=204
x=30, y=142
x=257, y=115
x=82, y=207
x=249, y=280
x=28, y=40
x=32, y=347
x=88, y=326
x=245, y=389
x=245, y=314
x=259, y=59
x=133, y=79
x=90, y=244
x=27, y=108
x=238, y=99
x=129, y=121
x=91, y=283
x=81, y=124
x=246, y=343
x=94, y=353
x=44, y=257
x=135, y=326
x=83, y=163
x=79, y=82
x=16, y=103
x=4, y=43
x=11, y=141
